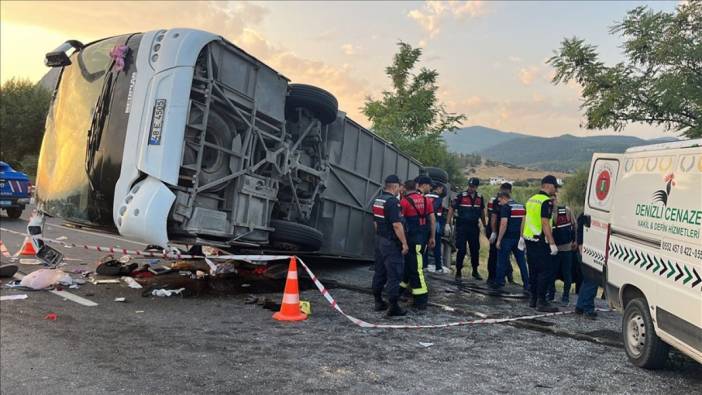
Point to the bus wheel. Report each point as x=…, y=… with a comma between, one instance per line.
x=14, y=212
x=643, y=347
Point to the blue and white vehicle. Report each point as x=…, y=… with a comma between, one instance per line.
x=14, y=190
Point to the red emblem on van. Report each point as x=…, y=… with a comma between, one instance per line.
x=602, y=185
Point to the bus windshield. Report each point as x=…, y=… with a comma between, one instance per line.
x=63, y=184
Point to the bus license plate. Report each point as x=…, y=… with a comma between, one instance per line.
x=157, y=122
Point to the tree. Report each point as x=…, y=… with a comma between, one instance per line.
x=574, y=190
x=23, y=109
x=410, y=115
x=660, y=83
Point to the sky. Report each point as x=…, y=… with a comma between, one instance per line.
x=490, y=55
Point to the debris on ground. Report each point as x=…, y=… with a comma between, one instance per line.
x=13, y=297
x=120, y=299
x=51, y=317
x=166, y=292
x=95, y=281
x=266, y=303
x=125, y=258
x=46, y=278
x=108, y=266
x=132, y=283
x=426, y=345
x=29, y=261
x=8, y=270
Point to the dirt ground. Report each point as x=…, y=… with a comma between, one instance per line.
x=215, y=343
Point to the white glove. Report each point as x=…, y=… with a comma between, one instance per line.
x=493, y=237
x=521, y=245
x=554, y=249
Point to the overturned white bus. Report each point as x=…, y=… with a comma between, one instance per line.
x=180, y=136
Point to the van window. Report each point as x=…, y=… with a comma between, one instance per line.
x=602, y=183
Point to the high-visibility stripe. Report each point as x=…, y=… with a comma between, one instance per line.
x=292, y=275
x=420, y=270
x=431, y=195
x=564, y=225
x=291, y=299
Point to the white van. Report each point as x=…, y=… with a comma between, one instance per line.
x=643, y=238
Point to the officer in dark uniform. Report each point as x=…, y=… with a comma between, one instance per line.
x=494, y=210
x=511, y=217
x=390, y=246
x=437, y=198
x=469, y=207
x=539, y=243
x=419, y=217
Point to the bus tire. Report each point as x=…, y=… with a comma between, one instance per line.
x=319, y=102
x=14, y=212
x=436, y=174
x=643, y=347
x=303, y=237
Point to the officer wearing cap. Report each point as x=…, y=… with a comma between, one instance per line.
x=419, y=216
x=540, y=245
x=469, y=208
x=494, y=214
x=390, y=246
x=511, y=218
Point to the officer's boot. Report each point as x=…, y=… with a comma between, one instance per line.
x=476, y=275
x=380, y=304
x=395, y=310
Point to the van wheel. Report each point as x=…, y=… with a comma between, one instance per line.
x=643, y=347
x=14, y=212
x=291, y=235
x=321, y=103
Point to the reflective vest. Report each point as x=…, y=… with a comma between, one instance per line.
x=383, y=228
x=416, y=212
x=514, y=222
x=563, y=228
x=532, y=226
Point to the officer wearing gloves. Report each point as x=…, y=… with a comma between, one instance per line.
x=494, y=222
x=469, y=208
x=511, y=218
x=539, y=243
x=437, y=195
x=390, y=247
x=419, y=216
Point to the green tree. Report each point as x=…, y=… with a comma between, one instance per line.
x=23, y=109
x=660, y=83
x=573, y=193
x=411, y=116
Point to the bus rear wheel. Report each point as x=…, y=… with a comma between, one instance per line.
x=643, y=347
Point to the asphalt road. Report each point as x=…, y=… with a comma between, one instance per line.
x=217, y=343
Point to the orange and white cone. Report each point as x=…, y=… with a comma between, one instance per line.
x=4, y=251
x=27, y=248
x=290, y=307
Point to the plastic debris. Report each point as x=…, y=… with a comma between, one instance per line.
x=139, y=311
x=426, y=345
x=45, y=278
x=120, y=299
x=13, y=297
x=51, y=317
x=125, y=258
x=29, y=261
x=167, y=292
x=61, y=238
x=306, y=307
x=131, y=282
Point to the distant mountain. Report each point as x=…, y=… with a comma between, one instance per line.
x=563, y=153
x=474, y=139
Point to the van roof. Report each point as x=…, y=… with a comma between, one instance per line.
x=665, y=146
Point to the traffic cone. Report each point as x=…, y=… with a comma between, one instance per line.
x=4, y=251
x=290, y=306
x=27, y=248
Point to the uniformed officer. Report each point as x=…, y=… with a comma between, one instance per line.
x=564, y=234
x=390, y=246
x=511, y=218
x=437, y=198
x=494, y=210
x=469, y=207
x=419, y=217
x=539, y=243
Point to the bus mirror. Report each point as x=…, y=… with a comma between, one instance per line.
x=59, y=56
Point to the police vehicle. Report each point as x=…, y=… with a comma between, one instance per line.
x=14, y=190
x=643, y=238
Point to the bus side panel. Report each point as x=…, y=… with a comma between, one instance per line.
x=656, y=243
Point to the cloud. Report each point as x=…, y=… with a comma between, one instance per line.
x=432, y=13
x=350, y=49
x=527, y=75
x=514, y=59
x=238, y=22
